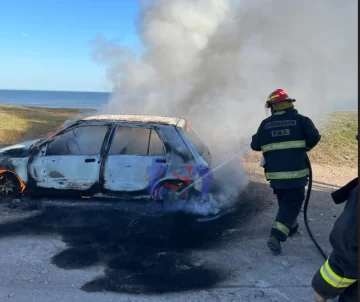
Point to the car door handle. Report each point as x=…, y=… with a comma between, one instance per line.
x=90, y=160
x=160, y=160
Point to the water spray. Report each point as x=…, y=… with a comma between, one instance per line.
x=236, y=155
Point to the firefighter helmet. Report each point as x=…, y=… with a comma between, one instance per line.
x=279, y=95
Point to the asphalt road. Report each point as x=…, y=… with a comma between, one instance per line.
x=77, y=255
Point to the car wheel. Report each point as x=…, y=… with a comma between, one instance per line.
x=10, y=186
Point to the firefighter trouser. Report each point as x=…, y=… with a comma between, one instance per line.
x=350, y=294
x=290, y=202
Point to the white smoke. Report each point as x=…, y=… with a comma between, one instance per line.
x=216, y=61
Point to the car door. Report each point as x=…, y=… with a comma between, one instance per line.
x=72, y=160
x=136, y=159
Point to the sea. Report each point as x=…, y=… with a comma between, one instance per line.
x=85, y=100
x=54, y=99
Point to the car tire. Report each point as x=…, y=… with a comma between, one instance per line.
x=10, y=186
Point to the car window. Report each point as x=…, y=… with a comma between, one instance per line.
x=130, y=141
x=156, y=145
x=195, y=141
x=136, y=141
x=82, y=140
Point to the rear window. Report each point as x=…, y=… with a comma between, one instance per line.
x=195, y=141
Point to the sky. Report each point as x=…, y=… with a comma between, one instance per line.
x=47, y=44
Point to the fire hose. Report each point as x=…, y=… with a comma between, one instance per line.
x=306, y=204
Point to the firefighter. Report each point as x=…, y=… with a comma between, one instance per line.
x=284, y=137
x=338, y=275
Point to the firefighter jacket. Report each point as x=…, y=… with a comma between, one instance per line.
x=284, y=138
x=341, y=269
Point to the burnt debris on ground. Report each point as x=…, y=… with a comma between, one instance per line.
x=141, y=255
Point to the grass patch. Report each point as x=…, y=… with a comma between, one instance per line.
x=338, y=145
x=18, y=123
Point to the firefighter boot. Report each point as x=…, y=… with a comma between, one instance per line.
x=293, y=229
x=274, y=245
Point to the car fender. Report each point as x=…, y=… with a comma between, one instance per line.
x=15, y=165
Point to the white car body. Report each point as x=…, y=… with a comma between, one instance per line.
x=110, y=156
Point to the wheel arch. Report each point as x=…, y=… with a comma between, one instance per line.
x=173, y=184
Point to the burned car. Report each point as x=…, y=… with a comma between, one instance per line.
x=117, y=156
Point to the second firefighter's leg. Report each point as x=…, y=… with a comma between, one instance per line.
x=350, y=294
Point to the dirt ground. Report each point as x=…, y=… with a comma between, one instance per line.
x=92, y=255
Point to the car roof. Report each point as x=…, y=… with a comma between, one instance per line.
x=150, y=119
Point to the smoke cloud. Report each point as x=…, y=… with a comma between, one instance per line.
x=216, y=61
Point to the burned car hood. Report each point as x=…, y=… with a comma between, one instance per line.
x=20, y=149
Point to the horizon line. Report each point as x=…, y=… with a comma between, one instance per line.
x=47, y=90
